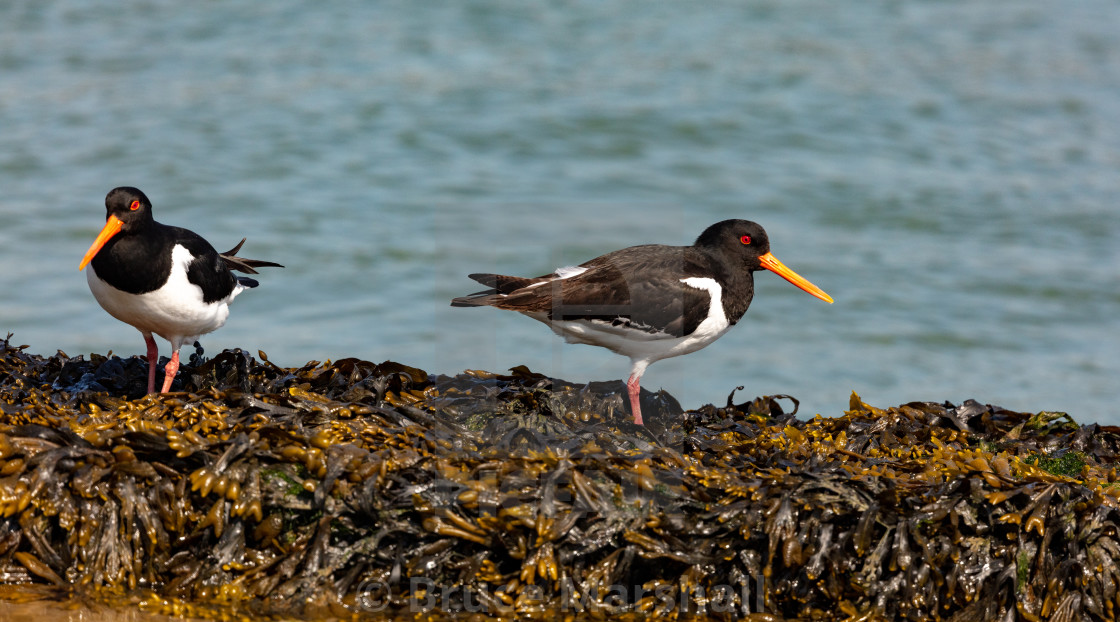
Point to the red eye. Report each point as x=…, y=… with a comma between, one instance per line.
x=136, y=205
x=746, y=239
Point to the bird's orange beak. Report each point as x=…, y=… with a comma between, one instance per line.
x=771, y=263
x=112, y=227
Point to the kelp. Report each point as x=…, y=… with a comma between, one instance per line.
x=353, y=489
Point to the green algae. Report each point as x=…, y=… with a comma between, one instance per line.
x=1064, y=463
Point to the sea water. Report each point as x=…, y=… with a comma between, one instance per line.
x=948, y=171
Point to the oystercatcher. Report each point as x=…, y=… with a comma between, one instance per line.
x=647, y=302
x=162, y=279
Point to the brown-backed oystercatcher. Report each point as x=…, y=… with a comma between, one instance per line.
x=647, y=302
x=162, y=279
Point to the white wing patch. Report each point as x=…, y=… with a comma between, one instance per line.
x=566, y=272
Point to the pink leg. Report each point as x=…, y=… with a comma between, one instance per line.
x=635, y=390
x=153, y=358
x=170, y=370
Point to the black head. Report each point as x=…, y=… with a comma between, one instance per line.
x=739, y=242
x=130, y=206
x=127, y=211
x=744, y=243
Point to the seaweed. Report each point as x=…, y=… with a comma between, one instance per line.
x=345, y=488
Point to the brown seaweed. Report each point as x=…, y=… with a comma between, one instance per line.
x=337, y=489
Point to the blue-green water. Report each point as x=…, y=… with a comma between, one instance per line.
x=948, y=171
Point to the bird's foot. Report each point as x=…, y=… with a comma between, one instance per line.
x=635, y=391
x=153, y=359
x=169, y=372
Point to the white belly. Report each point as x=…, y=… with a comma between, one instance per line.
x=175, y=311
x=645, y=346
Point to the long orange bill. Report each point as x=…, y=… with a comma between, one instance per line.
x=112, y=227
x=771, y=263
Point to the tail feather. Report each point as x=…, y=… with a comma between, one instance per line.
x=477, y=299
x=243, y=264
x=502, y=287
x=501, y=283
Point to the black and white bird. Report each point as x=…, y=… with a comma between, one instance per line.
x=647, y=302
x=161, y=279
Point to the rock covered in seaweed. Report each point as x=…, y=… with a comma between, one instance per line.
x=338, y=488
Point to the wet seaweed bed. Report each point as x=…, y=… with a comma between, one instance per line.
x=354, y=489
